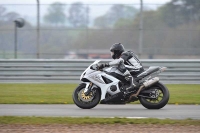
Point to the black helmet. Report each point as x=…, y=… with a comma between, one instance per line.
x=117, y=50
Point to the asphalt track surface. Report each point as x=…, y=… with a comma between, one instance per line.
x=129, y=110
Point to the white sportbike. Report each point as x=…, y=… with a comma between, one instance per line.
x=100, y=86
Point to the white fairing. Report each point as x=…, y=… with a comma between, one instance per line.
x=88, y=70
x=95, y=77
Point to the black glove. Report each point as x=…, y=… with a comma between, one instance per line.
x=102, y=65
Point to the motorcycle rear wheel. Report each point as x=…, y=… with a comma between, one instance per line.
x=158, y=102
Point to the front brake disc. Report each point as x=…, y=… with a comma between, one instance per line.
x=85, y=98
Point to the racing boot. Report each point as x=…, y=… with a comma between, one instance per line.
x=133, y=84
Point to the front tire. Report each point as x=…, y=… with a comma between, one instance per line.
x=86, y=102
x=158, y=102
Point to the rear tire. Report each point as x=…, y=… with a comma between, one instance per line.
x=86, y=102
x=165, y=97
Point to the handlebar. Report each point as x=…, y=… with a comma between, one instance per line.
x=95, y=67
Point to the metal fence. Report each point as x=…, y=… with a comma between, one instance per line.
x=69, y=71
x=166, y=34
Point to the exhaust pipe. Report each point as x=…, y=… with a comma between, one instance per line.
x=145, y=84
x=151, y=81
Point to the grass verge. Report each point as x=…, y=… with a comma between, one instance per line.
x=88, y=120
x=62, y=94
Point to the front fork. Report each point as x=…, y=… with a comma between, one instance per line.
x=88, y=88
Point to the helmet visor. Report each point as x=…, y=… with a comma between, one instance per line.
x=112, y=54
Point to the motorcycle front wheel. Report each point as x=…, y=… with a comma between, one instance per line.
x=157, y=98
x=83, y=101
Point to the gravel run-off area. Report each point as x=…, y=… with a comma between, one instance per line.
x=98, y=128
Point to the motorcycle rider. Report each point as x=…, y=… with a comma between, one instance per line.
x=127, y=62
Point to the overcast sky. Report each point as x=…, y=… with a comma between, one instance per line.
x=29, y=11
x=84, y=1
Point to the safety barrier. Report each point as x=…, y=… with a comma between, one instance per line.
x=69, y=71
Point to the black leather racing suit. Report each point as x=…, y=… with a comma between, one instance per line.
x=132, y=64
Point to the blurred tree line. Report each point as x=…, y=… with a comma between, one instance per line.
x=172, y=29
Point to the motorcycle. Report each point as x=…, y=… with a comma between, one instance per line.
x=100, y=86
